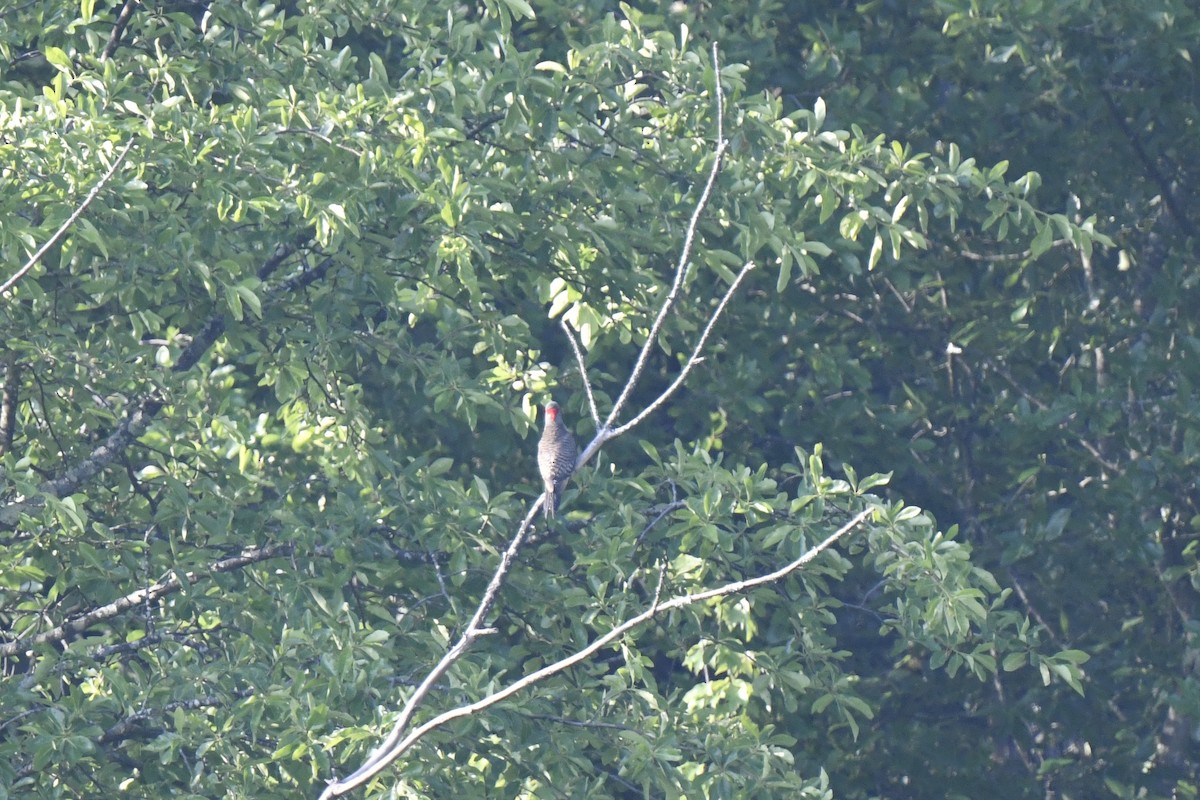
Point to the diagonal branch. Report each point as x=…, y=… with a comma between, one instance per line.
x=114, y=38
x=9, y=395
x=76, y=214
x=692, y=359
x=685, y=254
x=587, y=384
x=128, y=430
x=388, y=750
x=1093, y=449
x=1174, y=204
x=397, y=741
x=148, y=594
x=656, y=607
x=143, y=410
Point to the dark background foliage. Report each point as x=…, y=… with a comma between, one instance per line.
x=269, y=405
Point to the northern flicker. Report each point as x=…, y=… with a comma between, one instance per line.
x=556, y=457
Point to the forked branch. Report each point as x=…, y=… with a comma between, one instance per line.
x=400, y=738
x=658, y=606
x=682, y=267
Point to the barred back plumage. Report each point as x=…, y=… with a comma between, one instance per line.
x=556, y=457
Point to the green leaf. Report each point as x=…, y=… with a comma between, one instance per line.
x=520, y=8
x=1073, y=656
x=58, y=58
x=1014, y=661
x=829, y=203
x=1043, y=241
x=785, y=272
x=874, y=480
x=233, y=302
x=876, y=252
x=87, y=231
x=247, y=296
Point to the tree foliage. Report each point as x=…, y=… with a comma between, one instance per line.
x=268, y=401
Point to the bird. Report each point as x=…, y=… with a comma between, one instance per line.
x=556, y=457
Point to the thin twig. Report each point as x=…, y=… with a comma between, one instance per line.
x=693, y=359
x=579, y=723
x=685, y=253
x=9, y=394
x=397, y=741
x=998, y=257
x=1033, y=610
x=62, y=231
x=363, y=775
x=322, y=138
x=674, y=505
x=1093, y=450
x=1174, y=204
x=587, y=384
x=662, y=581
x=441, y=579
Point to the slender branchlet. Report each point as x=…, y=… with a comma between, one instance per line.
x=401, y=737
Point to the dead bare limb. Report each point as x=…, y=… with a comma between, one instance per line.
x=400, y=738
x=76, y=214
x=373, y=768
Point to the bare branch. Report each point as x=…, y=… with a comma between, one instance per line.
x=148, y=594
x=693, y=359
x=587, y=384
x=674, y=505
x=685, y=254
x=662, y=581
x=441, y=579
x=389, y=750
x=1174, y=203
x=720, y=93
x=76, y=214
x=400, y=738
x=9, y=394
x=316, y=134
x=129, y=429
x=366, y=773
x=1092, y=449
x=998, y=257
x=578, y=723
x=1033, y=610
x=143, y=410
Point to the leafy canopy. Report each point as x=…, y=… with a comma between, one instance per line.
x=271, y=395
